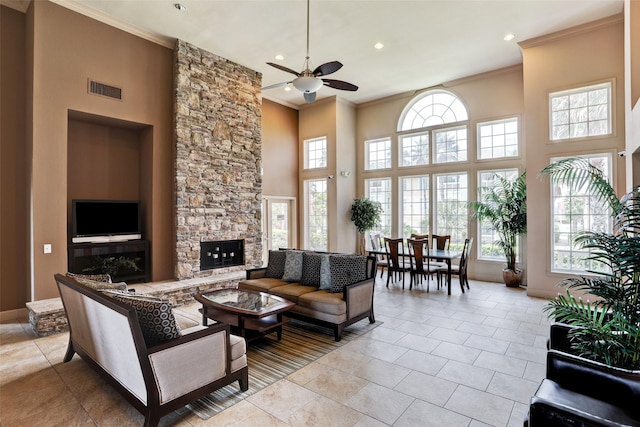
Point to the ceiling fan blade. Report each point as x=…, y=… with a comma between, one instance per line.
x=327, y=68
x=309, y=97
x=275, y=85
x=283, y=68
x=339, y=84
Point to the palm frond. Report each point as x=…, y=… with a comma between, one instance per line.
x=577, y=173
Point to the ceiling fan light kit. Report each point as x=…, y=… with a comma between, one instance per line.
x=309, y=82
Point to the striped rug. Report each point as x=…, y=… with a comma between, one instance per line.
x=270, y=360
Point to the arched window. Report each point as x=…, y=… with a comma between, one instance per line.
x=433, y=108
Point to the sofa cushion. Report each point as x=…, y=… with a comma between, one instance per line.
x=292, y=291
x=347, y=269
x=293, y=266
x=155, y=316
x=97, y=281
x=264, y=284
x=315, y=270
x=323, y=301
x=275, y=267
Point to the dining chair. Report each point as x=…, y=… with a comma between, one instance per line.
x=416, y=236
x=420, y=263
x=382, y=262
x=442, y=242
x=396, y=258
x=461, y=269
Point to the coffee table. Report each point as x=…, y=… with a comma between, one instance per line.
x=250, y=314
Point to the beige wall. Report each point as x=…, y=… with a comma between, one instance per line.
x=488, y=96
x=69, y=48
x=581, y=56
x=279, y=150
x=14, y=217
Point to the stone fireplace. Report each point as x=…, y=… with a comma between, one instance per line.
x=217, y=159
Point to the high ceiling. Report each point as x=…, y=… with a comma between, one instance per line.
x=426, y=42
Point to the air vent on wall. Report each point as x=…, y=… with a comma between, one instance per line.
x=102, y=89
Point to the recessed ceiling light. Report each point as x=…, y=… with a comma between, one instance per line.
x=180, y=7
x=378, y=45
x=287, y=88
x=509, y=37
x=279, y=57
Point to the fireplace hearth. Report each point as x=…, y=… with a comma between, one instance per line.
x=221, y=254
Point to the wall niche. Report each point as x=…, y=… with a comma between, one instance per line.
x=109, y=159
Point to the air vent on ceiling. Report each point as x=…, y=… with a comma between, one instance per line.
x=102, y=89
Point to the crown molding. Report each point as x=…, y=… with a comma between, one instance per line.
x=573, y=31
x=85, y=10
x=19, y=5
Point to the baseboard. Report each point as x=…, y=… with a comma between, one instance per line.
x=17, y=314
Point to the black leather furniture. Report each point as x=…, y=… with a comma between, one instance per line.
x=583, y=393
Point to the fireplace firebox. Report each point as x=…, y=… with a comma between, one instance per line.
x=221, y=254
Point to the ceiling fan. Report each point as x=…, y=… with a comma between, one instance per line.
x=309, y=82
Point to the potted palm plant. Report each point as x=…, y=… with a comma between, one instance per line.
x=606, y=328
x=365, y=214
x=504, y=206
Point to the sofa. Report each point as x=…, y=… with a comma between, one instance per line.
x=134, y=343
x=328, y=289
x=581, y=392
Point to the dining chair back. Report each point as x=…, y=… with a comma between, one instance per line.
x=416, y=236
x=461, y=269
x=396, y=259
x=420, y=264
x=377, y=244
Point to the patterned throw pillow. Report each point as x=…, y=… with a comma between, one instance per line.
x=98, y=282
x=293, y=266
x=346, y=269
x=275, y=268
x=154, y=314
x=315, y=270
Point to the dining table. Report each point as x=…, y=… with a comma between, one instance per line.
x=437, y=254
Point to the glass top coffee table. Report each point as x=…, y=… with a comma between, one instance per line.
x=250, y=314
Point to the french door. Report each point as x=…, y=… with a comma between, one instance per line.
x=279, y=224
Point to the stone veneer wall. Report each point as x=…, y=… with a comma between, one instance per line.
x=218, y=185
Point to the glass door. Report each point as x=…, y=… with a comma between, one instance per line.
x=279, y=230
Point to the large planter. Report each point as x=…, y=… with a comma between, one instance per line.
x=512, y=279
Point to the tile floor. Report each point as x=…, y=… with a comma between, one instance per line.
x=465, y=360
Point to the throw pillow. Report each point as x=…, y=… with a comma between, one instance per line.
x=98, y=282
x=346, y=269
x=293, y=266
x=155, y=315
x=275, y=268
x=325, y=273
x=311, y=269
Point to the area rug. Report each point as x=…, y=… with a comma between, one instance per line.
x=271, y=360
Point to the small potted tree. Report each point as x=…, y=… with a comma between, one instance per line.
x=504, y=206
x=365, y=214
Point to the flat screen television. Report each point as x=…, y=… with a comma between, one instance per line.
x=97, y=221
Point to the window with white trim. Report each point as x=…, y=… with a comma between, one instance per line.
x=450, y=145
x=487, y=235
x=315, y=153
x=316, y=231
x=414, y=196
x=433, y=108
x=451, y=213
x=580, y=112
x=414, y=149
x=573, y=212
x=498, y=139
x=379, y=190
x=377, y=154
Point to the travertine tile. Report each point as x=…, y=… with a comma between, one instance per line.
x=461, y=373
x=501, y=363
x=282, y=399
x=456, y=352
x=516, y=389
x=324, y=412
x=486, y=343
x=481, y=406
x=419, y=343
x=380, y=403
x=425, y=414
x=337, y=385
x=381, y=372
x=427, y=387
x=376, y=349
x=421, y=362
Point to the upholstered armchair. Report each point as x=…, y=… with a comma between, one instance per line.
x=156, y=378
